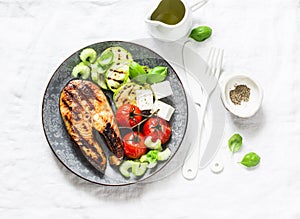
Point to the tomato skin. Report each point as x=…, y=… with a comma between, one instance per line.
x=134, y=146
x=157, y=128
x=128, y=115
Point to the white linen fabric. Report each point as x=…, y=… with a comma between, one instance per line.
x=260, y=38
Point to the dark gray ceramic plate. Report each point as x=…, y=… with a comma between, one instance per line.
x=65, y=149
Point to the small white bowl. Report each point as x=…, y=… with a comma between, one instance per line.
x=245, y=109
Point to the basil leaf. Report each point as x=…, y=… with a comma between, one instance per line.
x=157, y=74
x=235, y=143
x=106, y=58
x=201, y=33
x=140, y=79
x=250, y=160
x=135, y=70
x=159, y=70
x=151, y=79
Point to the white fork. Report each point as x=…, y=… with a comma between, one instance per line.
x=210, y=82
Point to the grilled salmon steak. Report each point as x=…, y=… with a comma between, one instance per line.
x=84, y=107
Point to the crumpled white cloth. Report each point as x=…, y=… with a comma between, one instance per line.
x=260, y=38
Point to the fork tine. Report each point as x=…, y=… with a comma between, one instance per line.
x=210, y=60
x=219, y=63
x=210, y=55
x=212, y=63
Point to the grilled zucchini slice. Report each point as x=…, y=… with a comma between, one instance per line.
x=116, y=75
x=126, y=94
x=119, y=54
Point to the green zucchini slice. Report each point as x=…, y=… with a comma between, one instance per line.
x=126, y=94
x=119, y=54
x=116, y=75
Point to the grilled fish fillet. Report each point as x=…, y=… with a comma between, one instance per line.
x=84, y=107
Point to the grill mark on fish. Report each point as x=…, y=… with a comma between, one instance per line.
x=92, y=148
x=81, y=92
x=66, y=105
x=89, y=94
x=75, y=108
x=71, y=98
x=92, y=93
x=68, y=119
x=84, y=143
x=112, y=139
x=84, y=107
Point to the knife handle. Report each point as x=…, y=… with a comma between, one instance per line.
x=191, y=164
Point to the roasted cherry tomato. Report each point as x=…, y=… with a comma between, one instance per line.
x=134, y=146
x=128, y=115
x=157, y=128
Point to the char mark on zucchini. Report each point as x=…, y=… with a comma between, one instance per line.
x=113, y=79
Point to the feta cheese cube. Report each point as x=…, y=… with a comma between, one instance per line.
x=162, y=89
x=144, y=99
x=165, y=110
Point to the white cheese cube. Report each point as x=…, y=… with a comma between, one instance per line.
x=144, y=99
x=165, y=110
x=162, y=89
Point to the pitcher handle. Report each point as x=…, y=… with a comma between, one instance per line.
x=198, y=5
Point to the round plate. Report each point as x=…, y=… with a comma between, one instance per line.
x=68, y=152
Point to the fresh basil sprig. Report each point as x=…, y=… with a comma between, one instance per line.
x=140, y=75
x=250, y=160
x=135, y=69
x=201, y=33
x=157, y=74
x=235, y=143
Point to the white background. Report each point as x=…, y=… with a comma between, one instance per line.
x=260, y=38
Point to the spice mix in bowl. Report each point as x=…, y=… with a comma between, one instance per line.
x=241, y=95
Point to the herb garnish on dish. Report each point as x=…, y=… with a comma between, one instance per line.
x=141, y=114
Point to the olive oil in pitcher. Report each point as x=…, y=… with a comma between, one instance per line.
x=169, y=12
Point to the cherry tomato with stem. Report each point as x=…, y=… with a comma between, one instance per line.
x=128, y=115
x=157, y=128
x=134, y=146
